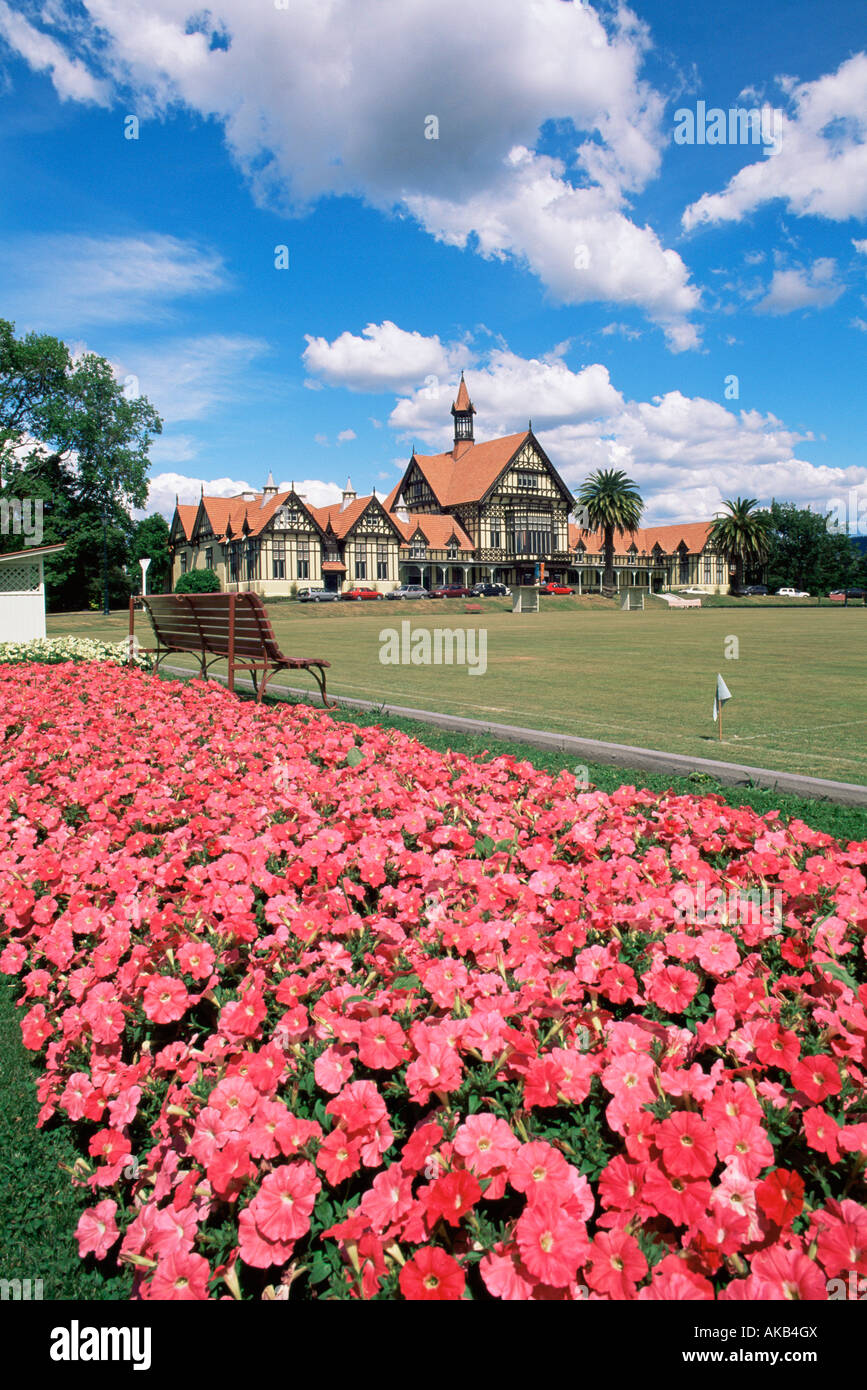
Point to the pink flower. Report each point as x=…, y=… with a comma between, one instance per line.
x=165, y=999
x=616, y=1264
x=181, y=1276
x=97, y=1230
x=552, y=1244
x=486, y=1143
x=686, y=1143
x=282, y=1206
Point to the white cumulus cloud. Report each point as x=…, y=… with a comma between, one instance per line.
x=382, y=357
x=820, y=168
x=811, y=287
x=339, y=99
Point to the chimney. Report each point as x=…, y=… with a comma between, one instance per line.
x=349, y=495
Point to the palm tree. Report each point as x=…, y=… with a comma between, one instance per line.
x=741, y=535
x=610, y=502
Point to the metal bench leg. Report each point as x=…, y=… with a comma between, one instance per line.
x=318, y=674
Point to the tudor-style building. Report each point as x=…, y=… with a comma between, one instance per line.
x=496, y=510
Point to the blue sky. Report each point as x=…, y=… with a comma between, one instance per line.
x=693, y=312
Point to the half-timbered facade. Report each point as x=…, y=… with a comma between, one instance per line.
x=496, y=511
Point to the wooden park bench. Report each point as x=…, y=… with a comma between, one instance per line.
x=223, y=627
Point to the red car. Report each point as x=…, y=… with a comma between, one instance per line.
x=360, y=593
x=451, y=591
x=552, y=588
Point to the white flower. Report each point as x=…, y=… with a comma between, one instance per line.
x=57, y=649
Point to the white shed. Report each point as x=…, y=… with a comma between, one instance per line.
x=22, y=593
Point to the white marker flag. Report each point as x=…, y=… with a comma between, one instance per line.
x=722, y=694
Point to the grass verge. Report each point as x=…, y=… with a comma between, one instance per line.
x=39, y=1207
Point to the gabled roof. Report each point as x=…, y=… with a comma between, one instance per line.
x=436, y=528
x=469, y=476
x=693, y=534
x=236, y=516
x=187, y=517
x=342, y=519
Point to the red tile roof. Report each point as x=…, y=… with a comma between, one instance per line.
x=342, y=519
x=186, y=516
x=467, y=477
x=694, y=534
x=234, y=511
x=437, y=528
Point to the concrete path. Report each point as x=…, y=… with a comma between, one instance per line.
x=590, y=750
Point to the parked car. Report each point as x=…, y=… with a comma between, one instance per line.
x=490, y=590
x=409, y=591
x=792, y=593
x=451, y=591
x=360, y=592
x=552, y=588
x=693, y=590
x=753, y=591
x=318, y=596
x=840, y=595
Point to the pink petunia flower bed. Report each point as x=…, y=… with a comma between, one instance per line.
x=335, y=1016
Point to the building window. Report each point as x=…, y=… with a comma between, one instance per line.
x=528, y=482
x=209, y=557
x=252, y=560
x=528, y=533
x=361, y=565
x=418, y=550
x=303, y=558
x=183, y=562
x=496, y=536
x=382, y=562
x=278, y=553
x=720, y=570
x=707, y=570
x=233, y=563
x=684, y=569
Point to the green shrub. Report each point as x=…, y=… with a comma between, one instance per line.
x=198, y=582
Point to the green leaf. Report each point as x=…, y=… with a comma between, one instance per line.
x=838, y=973
x=354, y=757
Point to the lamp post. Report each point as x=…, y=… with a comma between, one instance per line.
x=105, y=608
x=144, y=576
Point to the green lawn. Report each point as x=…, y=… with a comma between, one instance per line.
x=39, y=1206
x=583, y=667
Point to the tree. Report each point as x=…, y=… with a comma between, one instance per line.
x=71, y=438
x=804, y=553
x=198, y=582
x=110, y=435
x=150, y=540
x=611, y=502
x=34, y=371
x=741, y=536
